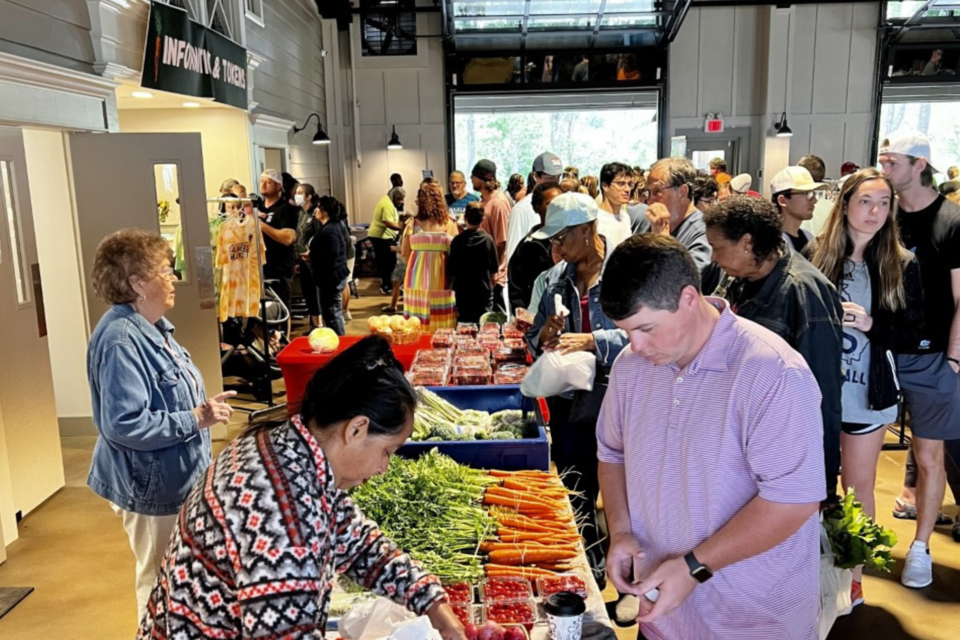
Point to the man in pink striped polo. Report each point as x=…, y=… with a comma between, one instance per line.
x=711, y=459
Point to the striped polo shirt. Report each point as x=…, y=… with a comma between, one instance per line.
x=741, y=420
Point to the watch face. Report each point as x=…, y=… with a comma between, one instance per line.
x=702, y=574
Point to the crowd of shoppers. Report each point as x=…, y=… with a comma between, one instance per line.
x=746, y=368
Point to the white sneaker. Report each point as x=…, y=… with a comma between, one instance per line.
x=347, y=316
x=918, y=567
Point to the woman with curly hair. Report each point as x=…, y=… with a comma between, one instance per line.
x=425, y=247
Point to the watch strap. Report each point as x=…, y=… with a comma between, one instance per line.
x=700, y=572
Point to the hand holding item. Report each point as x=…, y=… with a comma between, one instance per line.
x=215, y=410
x=623, y=561
x=659, y=217
x=550, y=334
x=445, y=621
x=570, y=342
x=671, y=585
x=856, y=316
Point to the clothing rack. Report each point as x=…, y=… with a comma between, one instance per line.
x=264, y=383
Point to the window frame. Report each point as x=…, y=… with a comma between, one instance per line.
x=253, y=16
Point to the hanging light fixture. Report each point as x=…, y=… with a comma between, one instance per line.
x=320, y=137
x=394, y=140
x=783, y=131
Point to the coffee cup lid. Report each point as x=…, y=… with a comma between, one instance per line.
x=565, y=603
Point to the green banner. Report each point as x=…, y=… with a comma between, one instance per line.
x=182, y=56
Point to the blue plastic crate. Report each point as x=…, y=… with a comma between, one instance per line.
x=508, y=455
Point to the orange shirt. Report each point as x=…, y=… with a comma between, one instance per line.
x=240, y=267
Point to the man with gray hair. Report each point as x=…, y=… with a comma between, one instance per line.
x=672, y=211
x=459, y=197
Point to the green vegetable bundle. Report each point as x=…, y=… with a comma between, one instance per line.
x=437, y=420
x=856, y=539
x=431, y=508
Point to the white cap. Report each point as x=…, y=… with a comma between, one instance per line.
x=908, y=143
x=794, y=179
x=273, y=174
x=741, y=183
x=567, y=210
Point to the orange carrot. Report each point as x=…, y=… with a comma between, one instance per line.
x=530, y=556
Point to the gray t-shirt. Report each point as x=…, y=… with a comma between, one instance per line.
x=856, y=353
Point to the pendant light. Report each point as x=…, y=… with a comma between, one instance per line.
x=394, y=140
x=783, y=131
x=320, y=137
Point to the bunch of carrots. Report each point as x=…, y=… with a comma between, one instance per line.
x=537, y=535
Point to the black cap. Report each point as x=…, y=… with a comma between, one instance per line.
x=565, y=603
x=485, y=170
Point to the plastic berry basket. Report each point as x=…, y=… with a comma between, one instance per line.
x=520, y=612
x=459, y=592
x=506, y=588
x=572, y=582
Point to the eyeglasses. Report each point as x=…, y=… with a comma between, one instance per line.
x=656, y=191
x=624, y=184
x=167, y=273
x=457, y=184
x=558, y=239
x=809, y=195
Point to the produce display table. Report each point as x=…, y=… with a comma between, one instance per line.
x=596, y=622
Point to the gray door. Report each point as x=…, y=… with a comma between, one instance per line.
x=152, y=181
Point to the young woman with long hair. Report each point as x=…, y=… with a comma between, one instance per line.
x=425, y=248
x=859, y=251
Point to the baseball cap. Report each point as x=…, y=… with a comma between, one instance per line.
x=722, y=178
x=849, y=167
x=274, y=175
x=741, y=183
x=485, y=170
x=794, y=179
x=548, y=164
x=567, y=210
x=908, y=143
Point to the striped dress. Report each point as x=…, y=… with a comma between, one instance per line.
x=426, y=288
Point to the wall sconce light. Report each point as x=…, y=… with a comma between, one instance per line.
x=394, y=140
x=783, y=131
x=320, y=137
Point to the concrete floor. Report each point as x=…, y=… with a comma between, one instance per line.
x=73, y=550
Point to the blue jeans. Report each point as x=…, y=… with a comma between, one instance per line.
x=331, y=306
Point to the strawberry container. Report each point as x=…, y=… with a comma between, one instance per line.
x=505, y=588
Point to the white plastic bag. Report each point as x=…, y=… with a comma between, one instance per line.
x=374, y=620
x=418, y=629
x=835, y=583
x=554, y=373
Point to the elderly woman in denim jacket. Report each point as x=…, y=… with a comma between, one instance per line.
x=149, y=403
x=571, y=226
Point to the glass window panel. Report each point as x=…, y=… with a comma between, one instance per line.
x=561, y=7
x=583, y=22
x=492, y=8
x=905, y=10
x=585, y=139
x=11, y=214
x=628, y=6
x=469, y=25
x=169, y=222
x=619, y=22
x=939, y=120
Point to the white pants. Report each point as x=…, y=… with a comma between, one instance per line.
x=149, y=536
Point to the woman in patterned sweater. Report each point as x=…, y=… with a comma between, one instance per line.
x=261, y=539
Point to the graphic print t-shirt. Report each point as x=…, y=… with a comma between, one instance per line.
x=239, y=263
x=856, y=353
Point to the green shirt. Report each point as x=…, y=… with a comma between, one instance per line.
x=385, y=212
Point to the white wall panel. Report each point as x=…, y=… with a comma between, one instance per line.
x=403, y=96
x=832, y=60
x=371, y=96
x=803, y=50
x=683, y=86
x=750, y=54
x=716, y=62
x=863, y=52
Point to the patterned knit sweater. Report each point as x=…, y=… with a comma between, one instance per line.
x=259, y=542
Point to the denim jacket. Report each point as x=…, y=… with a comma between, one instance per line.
x=150, y=451
x=608, y=338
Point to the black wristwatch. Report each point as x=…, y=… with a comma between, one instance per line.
x=953, y=360
x=700, y=572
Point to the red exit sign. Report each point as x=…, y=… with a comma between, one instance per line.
x=713, y=125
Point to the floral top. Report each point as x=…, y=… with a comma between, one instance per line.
x=260, y=540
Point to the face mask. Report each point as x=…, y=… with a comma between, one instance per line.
x=299, y=199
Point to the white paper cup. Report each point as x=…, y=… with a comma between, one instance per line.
x=565, y=615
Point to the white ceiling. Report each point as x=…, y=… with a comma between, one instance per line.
x=160, y=99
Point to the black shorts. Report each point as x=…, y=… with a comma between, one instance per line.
x=854, y=429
